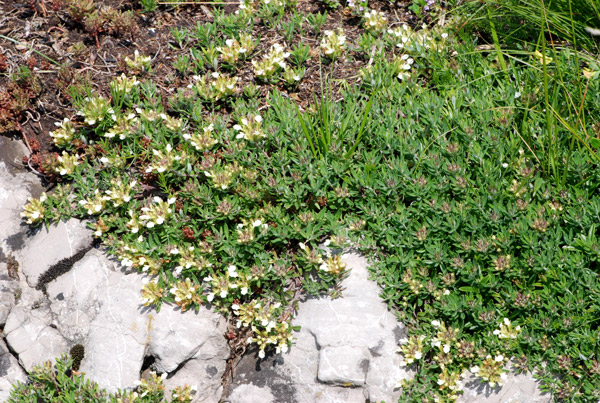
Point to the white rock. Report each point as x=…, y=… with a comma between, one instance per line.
x=116, y=340
x=343, y=365
x=203, y=374
x=75, y=297
x=251, y=394
x=10, y=372
x=177, y=336
x=16, y=185
x=29, y=335
x=50, y=245
x=522, y=388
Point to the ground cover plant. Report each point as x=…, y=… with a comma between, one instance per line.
x=471, y=186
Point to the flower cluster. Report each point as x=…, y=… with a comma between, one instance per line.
x=130, y=256
x=96, y=109
x=375, y=20
x=404, y=64
x=189, y=259
x=186, y=294
x=152, y=292
x=123, y=85
x=333, y=43
x=126, y=124
x=412, y=349
x=223, y=285
x=215, y=86
x=139, y=63
x=250, y=128
x=165, y=160
x=154, y=384
x=265, y=326
x=93, y=204
x=312, y=255
x=507, y=331
x=451, y=381
x=271, y=63
x=157, y=212
x=66, y=164
x=246, y=230
x=183, y=394
x=293, y=76
x=445, y=337
x=119, y=192
x=416, y=42
x=334, y=265
x=34, y=210
x=491, y=370
x=63, y=136
x=222, y=176
x=234, y=49
x=279, y=335
x=202, y=140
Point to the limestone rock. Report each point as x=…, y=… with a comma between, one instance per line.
x=50, y=245
x=118, y=333
x=522, y=388
x=75, y=297
x=10, y=372
x=203, y=374
x=343, y=365
x=29, y=335
x=251, y=394
x=16, y=185
x=190, y=347
x=176, y=337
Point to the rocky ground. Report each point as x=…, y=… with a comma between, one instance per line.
x=59, y=289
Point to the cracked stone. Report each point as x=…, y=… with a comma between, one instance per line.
x=344, y=365
x=30, y=336
x=17, y=186
x=251, y=394
x=10, y=372
x=74, y=296
x=522, y=388
x=177, y=336
x=50, y=245
x=204, y=374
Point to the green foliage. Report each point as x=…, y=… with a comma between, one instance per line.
x=149, y=5
x=63, y=384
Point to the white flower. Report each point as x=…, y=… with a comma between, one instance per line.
x=475, y=369
x=435, y=323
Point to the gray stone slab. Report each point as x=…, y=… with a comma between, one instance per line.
x=522, y=388
x=10, y=372
x=28, y=333
x=50, y=245
x=16, y=185
x=343, y=365
x=177, y=336
x=251, y=394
